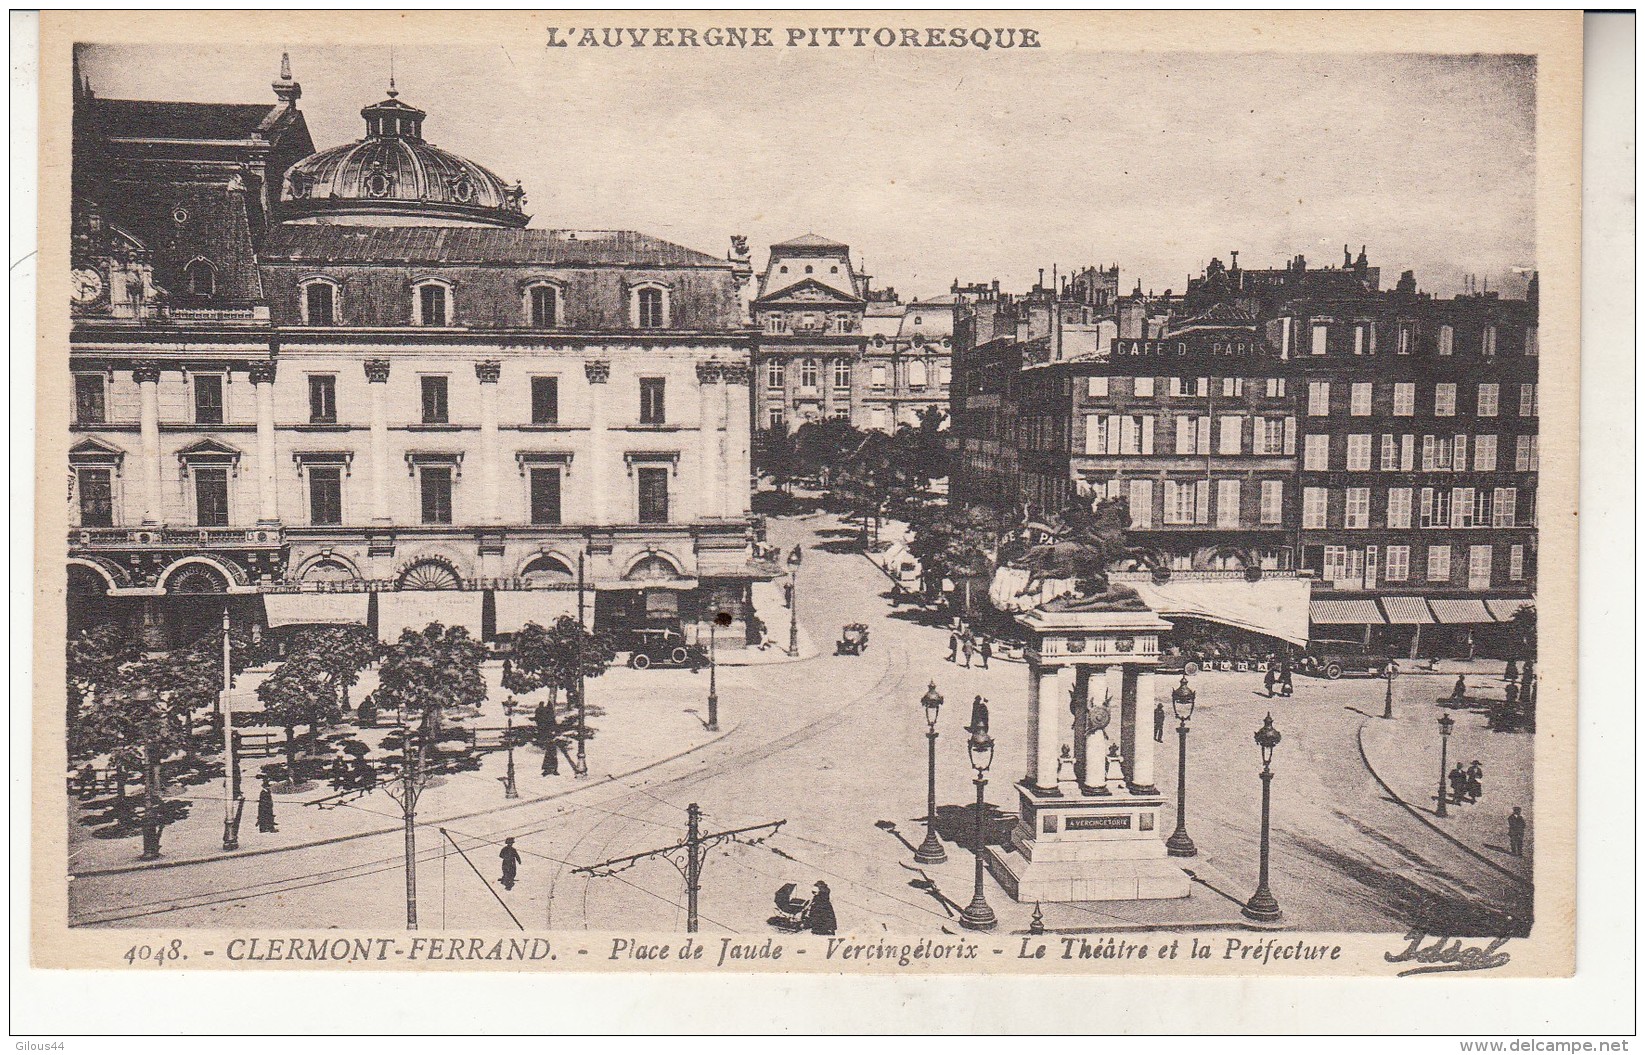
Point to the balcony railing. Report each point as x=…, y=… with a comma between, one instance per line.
x=178, y=537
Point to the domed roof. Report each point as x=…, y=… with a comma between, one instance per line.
x=394, y=176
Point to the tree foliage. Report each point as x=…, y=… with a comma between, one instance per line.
x=300, y=691
x=776, y=455
x=555, y=657
x=95, y=657
x=959, y=542
x=920, y=452
x=430, y=670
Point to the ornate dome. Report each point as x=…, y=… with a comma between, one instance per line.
x=393, y=176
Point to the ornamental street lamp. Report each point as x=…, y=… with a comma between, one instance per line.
x=1262, y=907
x=931, y=851
x=1446, y=723
x=977, y=915
x=1388, y=698
x=794, y=559
x=1182, y=702
x=510, y=789
x=713, y=680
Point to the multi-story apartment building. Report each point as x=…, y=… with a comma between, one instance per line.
x=829, y=346
x=354, y=385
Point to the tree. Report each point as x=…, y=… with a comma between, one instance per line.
x=427, y=671
x=959, y=542
x=342, y=652
x=557, y=658
x=777, y=456
x=821, y=446
x=920, y=452
x=95, y=656
x=299, y=691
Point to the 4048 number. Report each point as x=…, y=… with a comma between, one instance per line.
x=156, y=955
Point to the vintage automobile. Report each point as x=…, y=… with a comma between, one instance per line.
x=664, y=647
x=853, y=640
x=1333, y=659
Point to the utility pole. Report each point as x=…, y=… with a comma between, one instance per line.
x=687, y=856
x=582, y=707
x=411, y=786
x=231, y=823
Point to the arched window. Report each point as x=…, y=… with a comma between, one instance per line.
x=542, y=305
x=320, y=302
x=431, y=303
x=200, y=278
x=650, y=307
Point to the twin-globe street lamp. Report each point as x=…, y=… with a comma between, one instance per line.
x=977, y=915
x=1262, y=907
x=931, y=851
x=1182, y=702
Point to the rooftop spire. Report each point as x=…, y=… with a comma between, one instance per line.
x=391, y=89
x=287, y=90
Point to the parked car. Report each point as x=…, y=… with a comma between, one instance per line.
x=1333, y=659
x=664, y=647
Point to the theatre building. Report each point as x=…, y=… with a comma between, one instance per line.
x=354, y=385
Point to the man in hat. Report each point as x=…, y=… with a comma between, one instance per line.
x=1159, y=721
x=265, y=809
x=979, y=717
x=1458, y=779
x=985, y=650
x=953, y=646
x=511, y=863
x=1516, y=833
x=1476, y=778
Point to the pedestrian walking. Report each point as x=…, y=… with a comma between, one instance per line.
x=265, y=809
x=1159, y=722
x=954, y=646
x=1285, y=686
x=986, y=650
x=1512, y=694
x=511, y=863
x=1476, y=780
x=1460, y=689
x=1270, y=679
x=1516, y=833
x=966, y=648
x=1458, y=780
x=818, y=916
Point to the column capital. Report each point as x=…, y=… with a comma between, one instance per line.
x=735, y=373
x=145, y=371
x=262, y=371
x=377, y=371
x=710, y=371
x=488, y=371
x=597, y=370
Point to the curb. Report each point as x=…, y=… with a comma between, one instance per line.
x=1359, y=739
x=233, y=855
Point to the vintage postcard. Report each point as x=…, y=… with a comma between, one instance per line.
x=925, y=493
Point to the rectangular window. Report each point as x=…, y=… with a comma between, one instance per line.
x=1530, y=341
x=945, y=374
x=1313, y=507
x=1359, y=402
x=325, y=494
x=842, y=373
x=1516, y=563
x=1504, y=504
x=211, y=497
x=916, y=373
x=1459, y=453
x=1487, y=401
x=1429, y=451
x=545, y=496
x=1479, y=567
x=96, y=491
x=1436, y=508
x=1096, y=387
x=544, y=307
x=1319, y=336
x=1462, y=507
x=1316, y=453
x=1398, y=567
x=1185, y=434
x=1276, y=388
x=432, y=300
x=1145, y=387
x=321, y=303
x=436, y=405
x=1359, y=340
x=1202, y=386
x=876, y=376
x=774, y=418
x=1356, y=511
x=90, y=401
x=653, y=495
x=1273, y=501
x=650, y=309
x=1390, y=453
x=1269, y=435
x=1399, y=507
x=1405, y=399
x=1228, y=503
x=774, y=374
x=1445, y=400
x=1096, y=434
x=1233, y=387
x=1319, y=398
x=1485, y=454
x=436, y=482
x=1439, y=563
x=208, y=399
x=545, y=400
x=1527, y=401
x=1142, y=503
x=1228, y=434
x=1402, y=342
x=322, y=399
x=1407, y=452
x=653, y=408
x=1525, y=454
x=1176, y=386
x=1447, y=335
x=808, y=375
x=1179, y=502
x=1290, y=435
x=1487, y=342
x=1359, y=452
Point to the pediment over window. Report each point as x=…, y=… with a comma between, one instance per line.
x=96, y=452
x=652, y=459
x=209, y=452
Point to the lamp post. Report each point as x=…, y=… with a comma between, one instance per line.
x=1388, y=696
x=977, y=915
x=1182, y=702
x=1262, y=907
x=931, y=851
x=713, y=681
x=794, y=559
x=1446, y=723
x=510, y=789
x=231, y=823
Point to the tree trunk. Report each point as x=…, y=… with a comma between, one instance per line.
x=291, y=755
x=151, y=803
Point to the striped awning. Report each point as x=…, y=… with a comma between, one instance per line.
x=287, y=609
x=1406, y=611
x=1505, y=607
x=1360, y=611
x=1451, y=610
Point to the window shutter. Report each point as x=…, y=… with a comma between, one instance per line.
x=1204, y=438
x=1142, y=503
x=1202, y=501
x=1148, y=434
x=1290, y=435
x=1185, y=434
x=1128, y=435
x=1094, y=443
x=1113, y=434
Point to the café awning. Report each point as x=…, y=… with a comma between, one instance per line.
x=1406, y=611
x=1451, y=610
x=399, y=610
x=1505, y=607
x=288, y=609
x=1275, y=606
x=1345, y=612
x=516, y=608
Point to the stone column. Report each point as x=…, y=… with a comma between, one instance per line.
x=598, y=372
x=1142, y=738
x=739, y=439
x=489, y=372
x=377, y=378
x=711, y=403
x=147, y=376
x=1042, y=726
x=1058, y=719
x=268, y=486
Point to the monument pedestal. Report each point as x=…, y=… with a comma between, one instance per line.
x=1077, y=845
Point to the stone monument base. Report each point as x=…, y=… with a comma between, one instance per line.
x=1079, y=844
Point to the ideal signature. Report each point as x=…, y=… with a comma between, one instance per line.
x=1447, y=954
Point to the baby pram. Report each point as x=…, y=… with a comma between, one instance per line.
x=791, y=910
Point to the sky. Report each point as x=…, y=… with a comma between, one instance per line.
x=960, y=165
